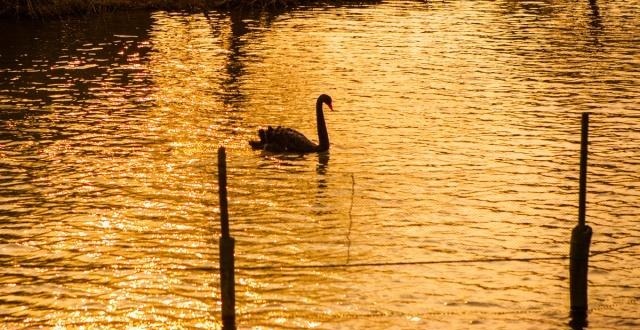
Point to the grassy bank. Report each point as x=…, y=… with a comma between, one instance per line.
x=53, y=8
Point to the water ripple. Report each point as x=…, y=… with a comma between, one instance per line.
x=455, y=136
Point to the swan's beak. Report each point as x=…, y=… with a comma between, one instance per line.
x=330, y=106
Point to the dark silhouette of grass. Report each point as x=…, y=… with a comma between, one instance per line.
x=61, y=8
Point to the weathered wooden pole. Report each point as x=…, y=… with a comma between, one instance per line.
x=580, y=241
x=584, y=151
x=227, y=246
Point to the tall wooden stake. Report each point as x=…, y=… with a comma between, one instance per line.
x=584, y=151
x=580, y=241
x=227, y=247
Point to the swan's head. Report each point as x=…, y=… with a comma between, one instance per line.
x=326, y=99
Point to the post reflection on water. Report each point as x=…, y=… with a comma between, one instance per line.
x=455, y=137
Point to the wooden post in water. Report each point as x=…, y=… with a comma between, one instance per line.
x=227, y=246
x=580, y=241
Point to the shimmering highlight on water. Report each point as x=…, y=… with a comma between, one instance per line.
x=455, y=137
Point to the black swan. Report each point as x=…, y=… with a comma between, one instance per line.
x=284, y=139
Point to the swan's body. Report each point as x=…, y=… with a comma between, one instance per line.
x=284, y=139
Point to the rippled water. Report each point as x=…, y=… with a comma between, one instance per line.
x=454, y=137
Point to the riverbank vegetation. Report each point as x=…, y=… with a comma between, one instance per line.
x=53, y=8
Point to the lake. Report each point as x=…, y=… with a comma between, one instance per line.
x=455, y=141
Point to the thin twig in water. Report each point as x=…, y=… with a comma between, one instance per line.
x=353, y=190
x=630, y=245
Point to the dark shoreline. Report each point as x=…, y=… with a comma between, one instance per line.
x=37, y=9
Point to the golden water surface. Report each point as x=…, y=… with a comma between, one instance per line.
x=454, y=140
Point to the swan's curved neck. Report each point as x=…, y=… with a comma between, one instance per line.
x=323, y=135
